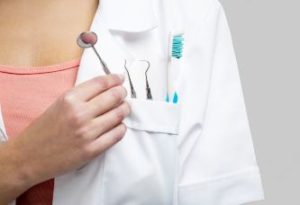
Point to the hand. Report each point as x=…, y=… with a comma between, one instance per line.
x=80, y=125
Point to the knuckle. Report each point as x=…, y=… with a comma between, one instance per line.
x=70, y=104
x=102, y=82
x=76, y=119
x=68, y=98
x=115, y=78
x=127, y=108
x=117, y=93
x=120, y=113
x=82, y=132
x=124, y=91
x=121, y=131
x=72, y=109
x=88, y=153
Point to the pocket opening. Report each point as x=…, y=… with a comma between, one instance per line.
x=153, y=116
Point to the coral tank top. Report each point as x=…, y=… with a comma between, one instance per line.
x=25, y=93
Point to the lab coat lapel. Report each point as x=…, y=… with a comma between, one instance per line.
x=111, y=53
x=124, y=16
x=108, y=18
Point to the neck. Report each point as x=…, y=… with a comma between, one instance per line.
x=35, y=32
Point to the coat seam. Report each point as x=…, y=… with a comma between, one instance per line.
x=219, y=178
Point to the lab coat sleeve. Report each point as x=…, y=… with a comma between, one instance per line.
x=217, y=159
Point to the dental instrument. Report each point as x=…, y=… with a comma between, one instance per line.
x=148, y=89
x=88, y=40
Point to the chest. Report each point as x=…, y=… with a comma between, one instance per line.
x=42, y=33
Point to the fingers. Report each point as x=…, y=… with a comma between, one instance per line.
x=107, y=121
x=89, y=89
x=106, y=101
x=107, y=140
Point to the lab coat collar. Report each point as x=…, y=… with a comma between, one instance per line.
x=128, y=15
x=125, y=16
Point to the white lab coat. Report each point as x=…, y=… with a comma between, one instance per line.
x=196, y=152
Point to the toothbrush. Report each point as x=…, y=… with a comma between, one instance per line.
x=175, y=49
x=175, y=54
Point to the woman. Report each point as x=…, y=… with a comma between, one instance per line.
x=65, y=119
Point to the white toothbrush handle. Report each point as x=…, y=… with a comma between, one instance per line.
x=173, y=73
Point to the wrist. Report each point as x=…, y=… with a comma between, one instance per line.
x=21, y=174
x=14, y=177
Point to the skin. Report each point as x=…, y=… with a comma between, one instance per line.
x=82, y=123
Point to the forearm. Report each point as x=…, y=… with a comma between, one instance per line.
x=14, y=178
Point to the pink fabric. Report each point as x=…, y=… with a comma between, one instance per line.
x=25, y=93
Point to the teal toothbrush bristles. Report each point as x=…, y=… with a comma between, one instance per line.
x=167, y=98
x=177, y=46
x=175, y=98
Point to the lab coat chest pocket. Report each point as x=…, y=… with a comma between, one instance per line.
x=3, y=136
x=141, y=168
